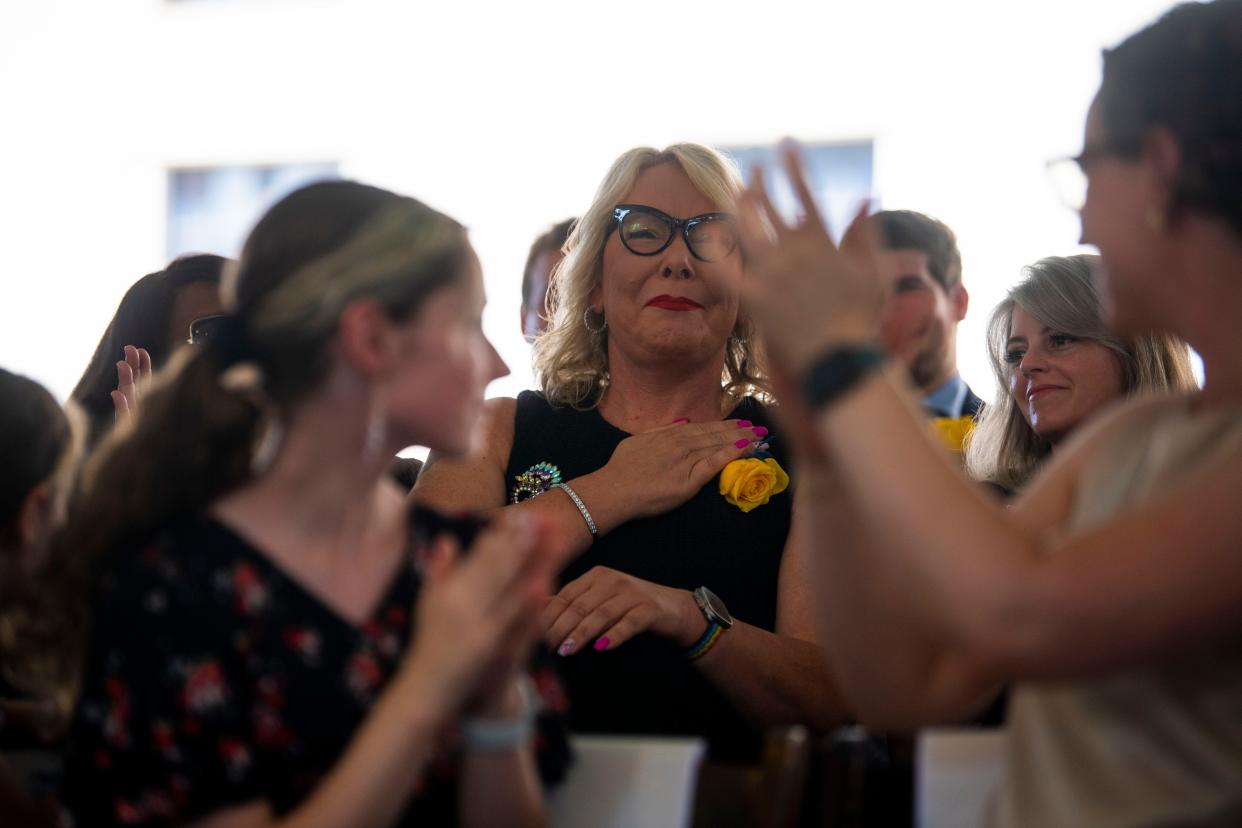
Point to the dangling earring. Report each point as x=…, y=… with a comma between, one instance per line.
x=377, y=430
x=1155, y=219
x=271, y=438
x=586, y=321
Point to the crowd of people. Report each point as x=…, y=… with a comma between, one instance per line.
x=751, y=489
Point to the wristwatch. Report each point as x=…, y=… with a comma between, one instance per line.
x=718, y=620
x=713, y=608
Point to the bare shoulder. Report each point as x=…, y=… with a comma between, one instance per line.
x=495, y=425
x=1045, y=502
x=1117, y=423
x=473, y=481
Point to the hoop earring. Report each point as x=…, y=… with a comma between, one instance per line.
x=586, y=321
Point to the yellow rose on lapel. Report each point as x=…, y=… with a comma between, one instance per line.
x=752, y=482
x=952, y=431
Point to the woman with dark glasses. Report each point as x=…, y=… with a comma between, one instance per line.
x=684, y=610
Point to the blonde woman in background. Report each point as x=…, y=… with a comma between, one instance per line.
x=1056, y=365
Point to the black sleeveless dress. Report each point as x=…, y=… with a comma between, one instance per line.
x=647, y=685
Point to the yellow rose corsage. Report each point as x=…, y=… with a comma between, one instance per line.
x=952, y=431
x=752, y=482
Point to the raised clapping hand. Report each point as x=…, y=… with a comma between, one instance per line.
x=605, y=608
x=132, y=375
x=807, y=294
x=659, y=470
x=478, y=613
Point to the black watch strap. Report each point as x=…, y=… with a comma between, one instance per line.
x=837, y=371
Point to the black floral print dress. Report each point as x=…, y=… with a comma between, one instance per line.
x=214, y=679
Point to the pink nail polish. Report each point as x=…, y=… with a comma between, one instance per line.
x=741, y=444
x=601, y=644
x=567, y=647
x=680, y=420
x=760, y=431
x=744, y=423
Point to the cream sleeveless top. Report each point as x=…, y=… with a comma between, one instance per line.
x=1160, y=746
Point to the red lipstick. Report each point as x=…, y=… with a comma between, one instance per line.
x=674, y=303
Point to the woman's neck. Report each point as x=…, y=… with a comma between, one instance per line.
x=323, y=488
x=1212, y=307
x=644, y=397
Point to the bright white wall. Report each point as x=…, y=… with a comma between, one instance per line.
x=506, y=117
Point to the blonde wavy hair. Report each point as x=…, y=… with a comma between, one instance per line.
x=1059, y=292
x=570, y=361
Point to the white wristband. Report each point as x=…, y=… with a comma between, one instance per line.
x=504, y=734
x=496, y=734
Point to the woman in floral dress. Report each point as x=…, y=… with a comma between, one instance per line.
x=273, y=639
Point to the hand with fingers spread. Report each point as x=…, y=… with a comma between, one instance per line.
x=807, y=293
x=605, y=608
x=132, y=375
x=478, y=613
x=662, y=469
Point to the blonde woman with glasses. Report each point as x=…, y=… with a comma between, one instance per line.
x=648, y=446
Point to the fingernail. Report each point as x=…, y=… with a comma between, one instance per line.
x=744, y=423
x=680, y=420
x=601, y=644
x=761, y=431
x=741, y=444
x=567, y=647
x=763, y=447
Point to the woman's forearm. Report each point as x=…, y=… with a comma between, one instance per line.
x=774, y=679
x=889, y=649
x=599, y=496
x=500, y=785
x=371, y=783
x=501, y=788
x=571, y=533
x=945, y=537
